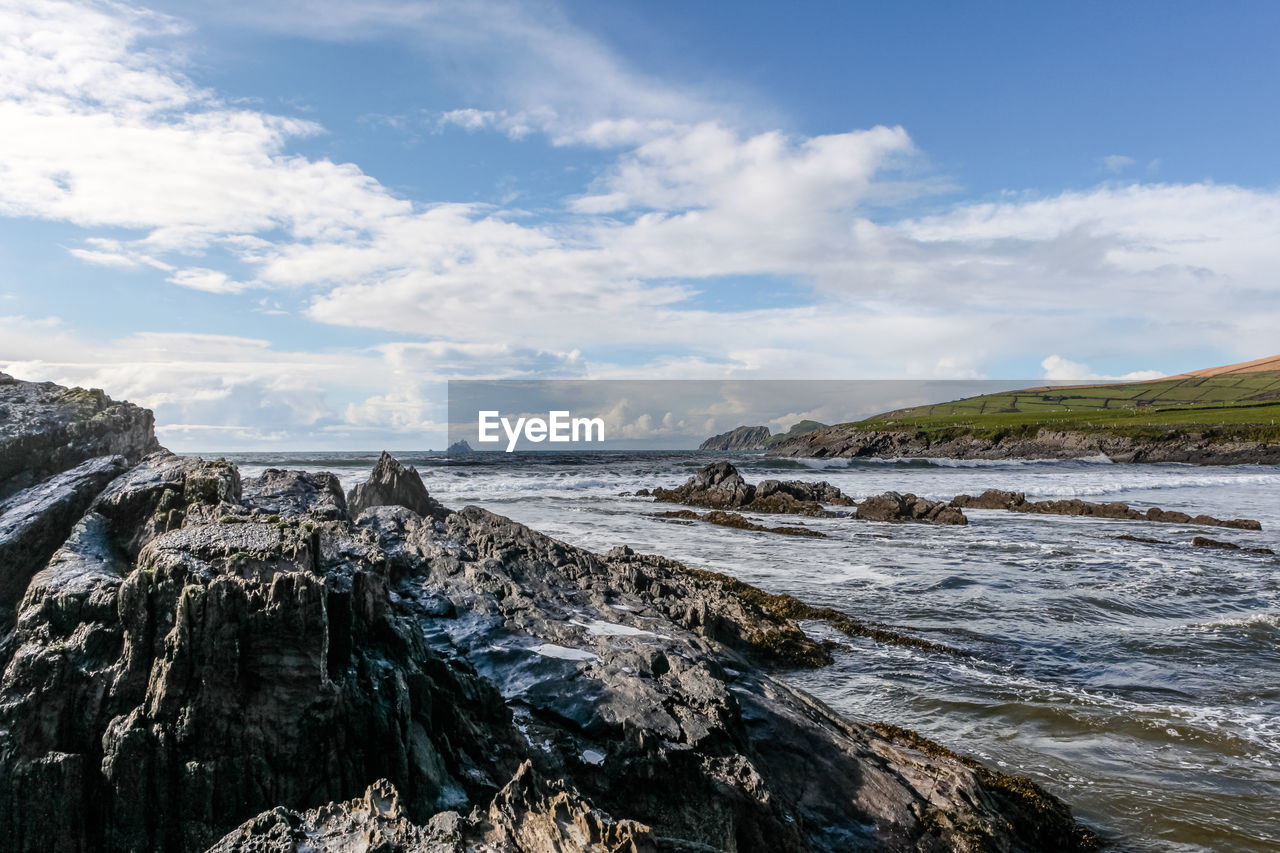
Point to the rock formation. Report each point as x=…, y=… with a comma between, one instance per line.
x=46, y=429
x=739, y=438
x=737, y=521
x=720, y=486
x=750, y=438
x=1017, y=502
x=393, y=485
x=209, y=664
x=892, y=506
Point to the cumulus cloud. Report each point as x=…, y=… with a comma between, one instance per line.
x=1059, y=368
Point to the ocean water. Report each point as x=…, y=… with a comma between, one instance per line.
x=1140, y=682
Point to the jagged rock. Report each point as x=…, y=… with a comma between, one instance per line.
x=720, y=486
x=199, y=651
x=460, y=448
x=35, y=521
x=1017, y=502
x=532, y=816
x=46, y=429
x=391, y=484
x=739, y=438
x=372, y=822
x=892, y=506
x=290, y=494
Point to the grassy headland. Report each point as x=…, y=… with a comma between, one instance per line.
x=1219, y=406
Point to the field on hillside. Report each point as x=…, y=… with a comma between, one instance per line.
x=1243, y=405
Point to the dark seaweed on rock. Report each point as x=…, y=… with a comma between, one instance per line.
x=205, y=663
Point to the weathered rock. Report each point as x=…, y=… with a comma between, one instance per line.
x=391, y=484
x=990, y=499
x=720, y=486
x=290, y=494
x=532, y=816
x=373, y=822
x=199, y=651
x=46, y=429
x=1017, y=502
x=35, y=521
x=739, y=522
x=892, y=506
x=1206, y=542
x=740, y=438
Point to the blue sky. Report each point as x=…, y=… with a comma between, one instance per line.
x=288, y=224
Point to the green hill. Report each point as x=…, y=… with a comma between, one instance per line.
x=1220, y=403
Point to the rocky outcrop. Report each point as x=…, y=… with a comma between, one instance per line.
x=206, y=663
x=892, y=506
x=291, y=494
x=391, y=484
x=1175, y=446
x=35, y=521
x=739, y=438
x=46, y=429
x=750, y=438
x=1017, y=502
x=720, y=486
x=737, y=521
x=460, y=448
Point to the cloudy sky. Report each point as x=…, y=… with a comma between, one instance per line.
x=286, y=224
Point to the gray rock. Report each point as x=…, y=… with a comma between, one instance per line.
x=199, y=651
x=35, y=521
x=290, y=494
x=46, y=429
x=391, y=484
x=892, y=506
x=720, y=486
x=739, y=438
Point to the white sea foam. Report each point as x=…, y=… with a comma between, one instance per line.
x=551, y=650
x=600, y=628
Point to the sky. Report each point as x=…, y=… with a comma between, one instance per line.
x=287, y=225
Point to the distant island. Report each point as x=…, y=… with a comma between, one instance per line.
x=1216, y=416
x=460, y=448
x=757, y=437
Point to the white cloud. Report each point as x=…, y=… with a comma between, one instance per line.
x=210, y=281
x=1059, y=368
x=1117, y=163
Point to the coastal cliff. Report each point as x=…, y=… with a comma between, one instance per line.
x=1197, y=448
x=195, y=661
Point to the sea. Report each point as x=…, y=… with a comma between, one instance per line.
x=1139, y=681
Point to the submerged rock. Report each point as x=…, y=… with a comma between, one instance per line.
x=1017, y=502
x=739, y=522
